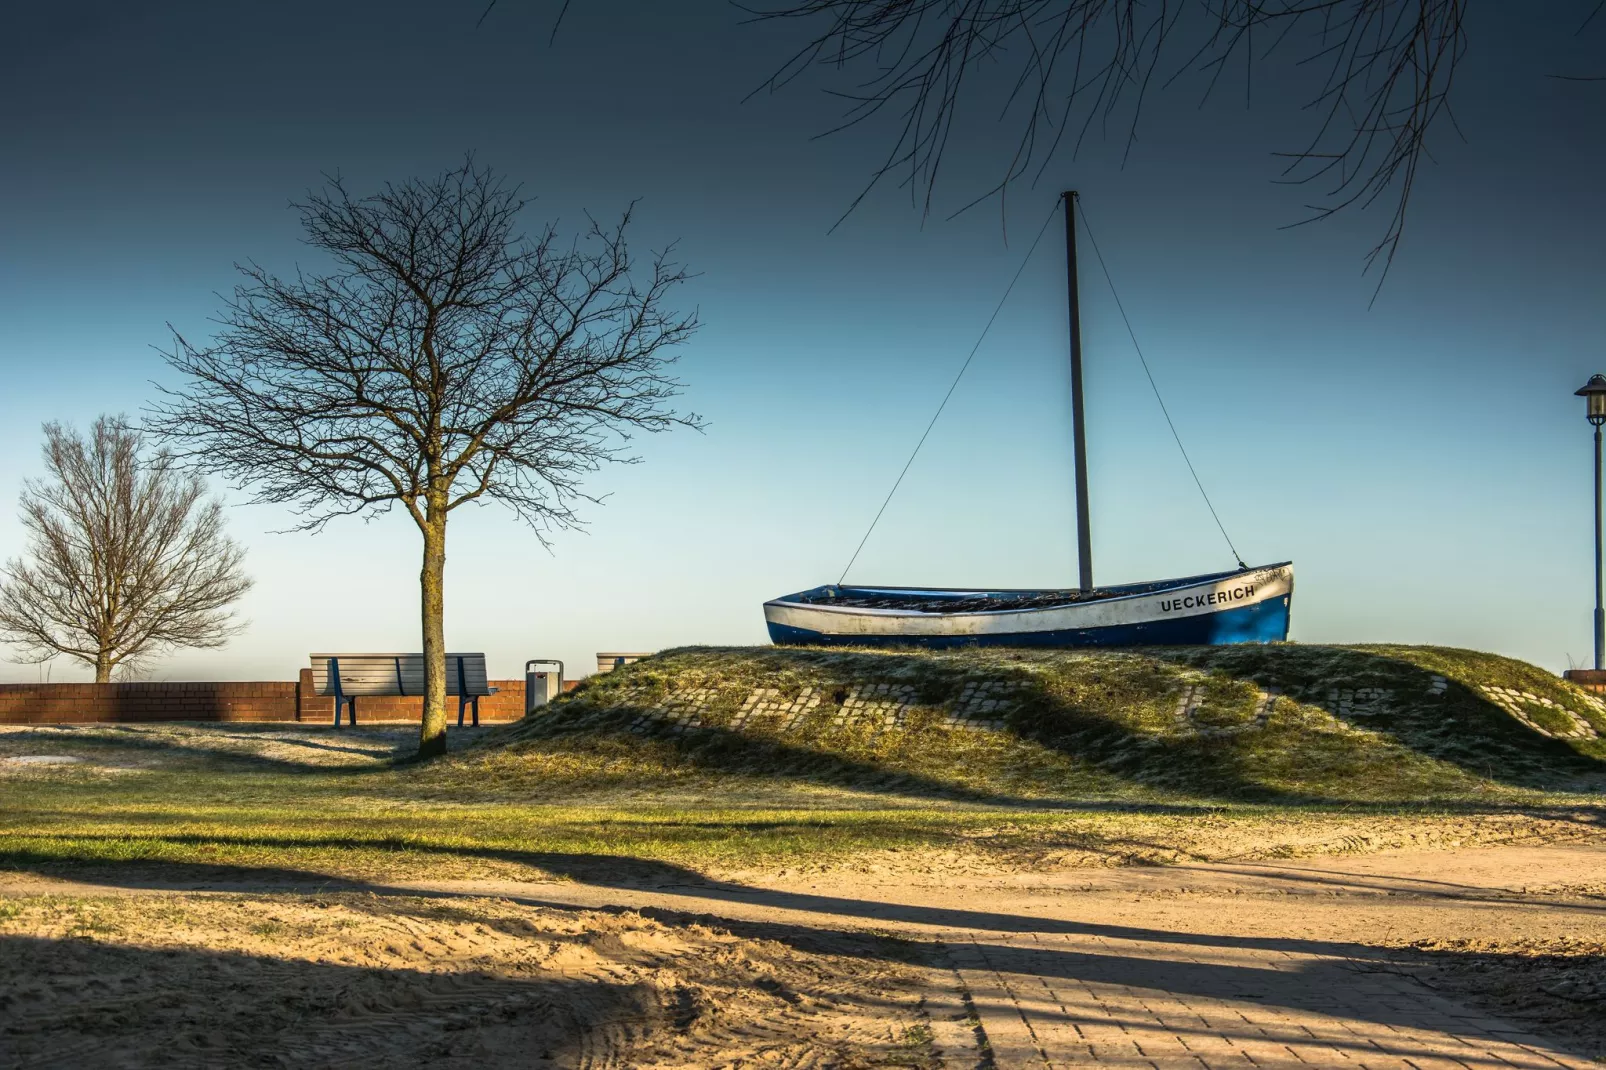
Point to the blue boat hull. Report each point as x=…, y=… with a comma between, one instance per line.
x=1248, y=606
x=1263, y=623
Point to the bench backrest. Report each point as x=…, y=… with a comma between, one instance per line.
x=395, y=674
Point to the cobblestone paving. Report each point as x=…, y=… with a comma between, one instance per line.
x=1048, y=1000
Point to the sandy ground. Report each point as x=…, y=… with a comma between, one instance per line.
x=1477, y=957
x=103, y=747
x=360, y=980
x=1451, y=940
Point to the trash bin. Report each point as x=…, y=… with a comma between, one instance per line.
x=541, y=685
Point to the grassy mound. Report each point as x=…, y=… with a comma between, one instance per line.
x=1282, y=723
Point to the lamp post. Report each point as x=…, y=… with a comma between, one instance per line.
x=1594, y=393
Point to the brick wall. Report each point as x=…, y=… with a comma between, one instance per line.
x=224, y=701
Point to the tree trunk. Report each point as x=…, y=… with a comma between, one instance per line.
x=432, y=736
x=103, y=668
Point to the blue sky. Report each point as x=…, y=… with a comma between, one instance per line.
x=1421, y=459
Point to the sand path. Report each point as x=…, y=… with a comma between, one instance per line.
x=1210, y=965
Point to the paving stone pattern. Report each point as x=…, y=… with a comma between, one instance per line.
x=771, y=702
x=1514, y=703
x=1192, y=700
x=981, y=704
x=1374, y=701
x=881, y=706
x=1048, y=1000
x=683, y=709
x=1360, y=701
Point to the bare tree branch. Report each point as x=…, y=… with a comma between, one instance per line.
x=1386, y=71
x=128, y=559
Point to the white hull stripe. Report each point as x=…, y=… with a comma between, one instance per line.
x=1233, y=592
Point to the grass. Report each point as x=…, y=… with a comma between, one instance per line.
x=1099, y=726
x=1088, y=765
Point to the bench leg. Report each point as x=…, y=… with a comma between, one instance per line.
x=461, y=702
x=351, y=709
x=476, y=711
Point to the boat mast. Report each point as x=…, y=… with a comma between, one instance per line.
x=1084, y=537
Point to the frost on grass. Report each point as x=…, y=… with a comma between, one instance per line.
x=1281, y=723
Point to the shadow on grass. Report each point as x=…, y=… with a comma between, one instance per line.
x=384, y=747
x=718, y=751
x=1462, y=729
x=623, y=871
x=1070, y=747
x=1427, y=748
x=1104, y=760
x=1459, y=726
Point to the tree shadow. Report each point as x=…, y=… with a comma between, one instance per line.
x=1141, y=770
x=1558, y=994
x=1461, y=728
x=1122, y=969
x=634, y=873
x=713, y=749
x=383, y=747
x=1097, y=748
x=1428, y=713
x=96, y=1002
x=192, y=1008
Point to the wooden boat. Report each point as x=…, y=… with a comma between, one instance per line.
x=1245, y=605
x=1242, y=606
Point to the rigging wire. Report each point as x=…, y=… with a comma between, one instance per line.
x=952, y=387
x=1155, y=387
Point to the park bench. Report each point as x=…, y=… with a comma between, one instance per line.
x=347, y=677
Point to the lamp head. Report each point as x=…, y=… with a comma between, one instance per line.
x=1594, y=393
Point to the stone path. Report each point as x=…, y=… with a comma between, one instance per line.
x=1049, y=1000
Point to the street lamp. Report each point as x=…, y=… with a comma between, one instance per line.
x=1594, y=393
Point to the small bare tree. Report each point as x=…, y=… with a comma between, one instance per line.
x=444, y=360
x=128, y=557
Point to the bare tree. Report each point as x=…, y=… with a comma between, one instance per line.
x=128, y=558
x=1384, y=69
x=444, y=360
